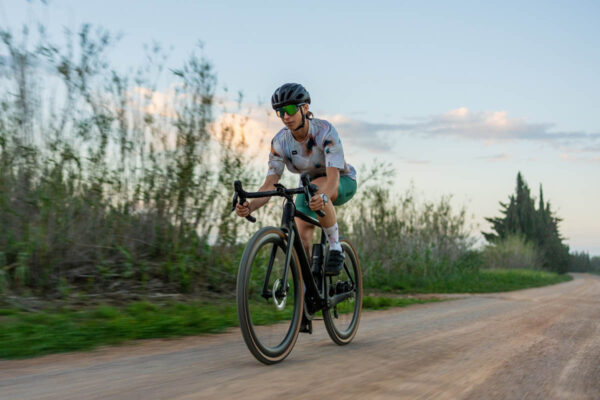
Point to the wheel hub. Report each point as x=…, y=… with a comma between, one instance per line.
x=279, y=301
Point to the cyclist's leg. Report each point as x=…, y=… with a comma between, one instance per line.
x=306, y=231
x=346, y=190
x=329, y=219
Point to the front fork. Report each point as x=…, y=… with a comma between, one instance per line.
x=282, y=286
x=281, y=292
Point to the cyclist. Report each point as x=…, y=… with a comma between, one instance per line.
x=311, y=145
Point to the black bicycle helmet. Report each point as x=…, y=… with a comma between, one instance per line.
x=289, y=93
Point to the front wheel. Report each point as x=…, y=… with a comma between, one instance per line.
x=269, y=310
x=341, y=320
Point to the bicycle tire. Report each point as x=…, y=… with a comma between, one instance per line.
x=342, y=320
x=255, y=313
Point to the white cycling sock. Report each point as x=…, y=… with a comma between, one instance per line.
x=334, y=237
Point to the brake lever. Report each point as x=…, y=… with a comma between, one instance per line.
x=309, y=190
x=235, y=200
x=238, y=197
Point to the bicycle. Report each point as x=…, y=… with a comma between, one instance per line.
x=276, y=282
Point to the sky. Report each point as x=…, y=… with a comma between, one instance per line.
x=457, y=96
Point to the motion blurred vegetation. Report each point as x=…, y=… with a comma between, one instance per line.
x=111, y=184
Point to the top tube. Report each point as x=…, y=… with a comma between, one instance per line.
x=306, y=218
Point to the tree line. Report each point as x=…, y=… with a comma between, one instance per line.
x=539, y=227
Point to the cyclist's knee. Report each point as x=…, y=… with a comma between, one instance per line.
x=319, y=181
x=322, y=180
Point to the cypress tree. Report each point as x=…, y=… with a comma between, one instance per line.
x=539, y=227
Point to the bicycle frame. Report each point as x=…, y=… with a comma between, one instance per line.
x=315, y=297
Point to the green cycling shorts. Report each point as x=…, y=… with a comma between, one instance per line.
x=346, y=190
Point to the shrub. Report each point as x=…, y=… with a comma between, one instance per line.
x=512, y=252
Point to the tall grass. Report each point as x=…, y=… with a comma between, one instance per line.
x=403, y=242
x=109, y=184
x=513, y=252
x=101, y=187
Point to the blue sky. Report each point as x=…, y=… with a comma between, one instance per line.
x=457, y=96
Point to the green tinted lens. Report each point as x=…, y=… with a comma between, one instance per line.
x=290, y=109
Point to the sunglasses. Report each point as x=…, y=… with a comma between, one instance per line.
x=290, y=109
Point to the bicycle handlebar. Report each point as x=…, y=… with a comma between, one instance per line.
x=308, y=189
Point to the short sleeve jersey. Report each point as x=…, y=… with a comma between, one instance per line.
x=322, y=148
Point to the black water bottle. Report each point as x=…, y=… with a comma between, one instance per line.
x=317, y=258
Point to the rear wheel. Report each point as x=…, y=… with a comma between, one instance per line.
x=341, y=320
x=269, y=311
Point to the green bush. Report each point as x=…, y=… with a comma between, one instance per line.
x=404, y=242
x=512, y=252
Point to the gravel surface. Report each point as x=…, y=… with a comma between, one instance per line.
x=532, y=344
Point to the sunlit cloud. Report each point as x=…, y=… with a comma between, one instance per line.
x=154, y=102
x=255, y=125
x=248, y=130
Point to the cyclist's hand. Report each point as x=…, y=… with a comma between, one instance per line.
x=243, y=210
x=316, y=203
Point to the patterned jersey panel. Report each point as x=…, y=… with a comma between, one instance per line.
x=322, y=148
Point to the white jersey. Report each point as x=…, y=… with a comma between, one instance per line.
x=322, y=148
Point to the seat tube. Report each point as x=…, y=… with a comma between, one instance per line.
x=288, y=216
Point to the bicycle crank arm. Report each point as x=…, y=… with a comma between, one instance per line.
x=338, y=298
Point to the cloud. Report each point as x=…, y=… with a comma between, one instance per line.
x=571, y=157
x=592, y=148
x=256, y=124
x=415, y=161
x=154, y=102
x=496, y=157
x=366, y=135
x=488, y=126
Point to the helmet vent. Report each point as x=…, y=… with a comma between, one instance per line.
x=290, y=93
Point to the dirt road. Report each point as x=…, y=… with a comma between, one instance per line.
x=533, y=344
